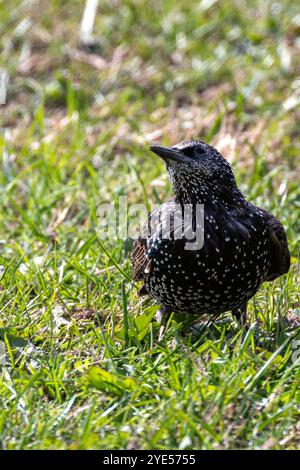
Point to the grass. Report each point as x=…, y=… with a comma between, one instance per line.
x=81, y=366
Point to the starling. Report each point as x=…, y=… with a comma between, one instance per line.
x=243, y=245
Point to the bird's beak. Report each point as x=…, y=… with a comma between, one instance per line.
x=169, y=154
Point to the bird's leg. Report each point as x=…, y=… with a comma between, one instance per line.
x=162, y=316
x=240, y=314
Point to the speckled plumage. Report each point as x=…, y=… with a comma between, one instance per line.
x=243, y=244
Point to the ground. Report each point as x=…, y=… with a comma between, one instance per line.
x=80, y=363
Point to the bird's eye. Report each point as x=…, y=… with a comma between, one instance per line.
x=194, y=151
x=189, y=151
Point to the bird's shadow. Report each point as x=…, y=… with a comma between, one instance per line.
x=198, y=332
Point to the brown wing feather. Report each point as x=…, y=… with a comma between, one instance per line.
x=140, y=262
x=139, y=259
x=280, y=254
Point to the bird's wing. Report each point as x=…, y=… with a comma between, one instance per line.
x=141, y=257
x=280, y=254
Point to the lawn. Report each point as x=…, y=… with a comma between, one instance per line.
x=80, y=364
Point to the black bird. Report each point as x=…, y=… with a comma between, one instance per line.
x=244, y=245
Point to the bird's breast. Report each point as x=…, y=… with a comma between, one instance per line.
x=226, y=271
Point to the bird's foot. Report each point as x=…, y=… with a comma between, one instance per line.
x=240, y=314
x=162, y=316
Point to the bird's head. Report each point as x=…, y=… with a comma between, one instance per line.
x=198, y=171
